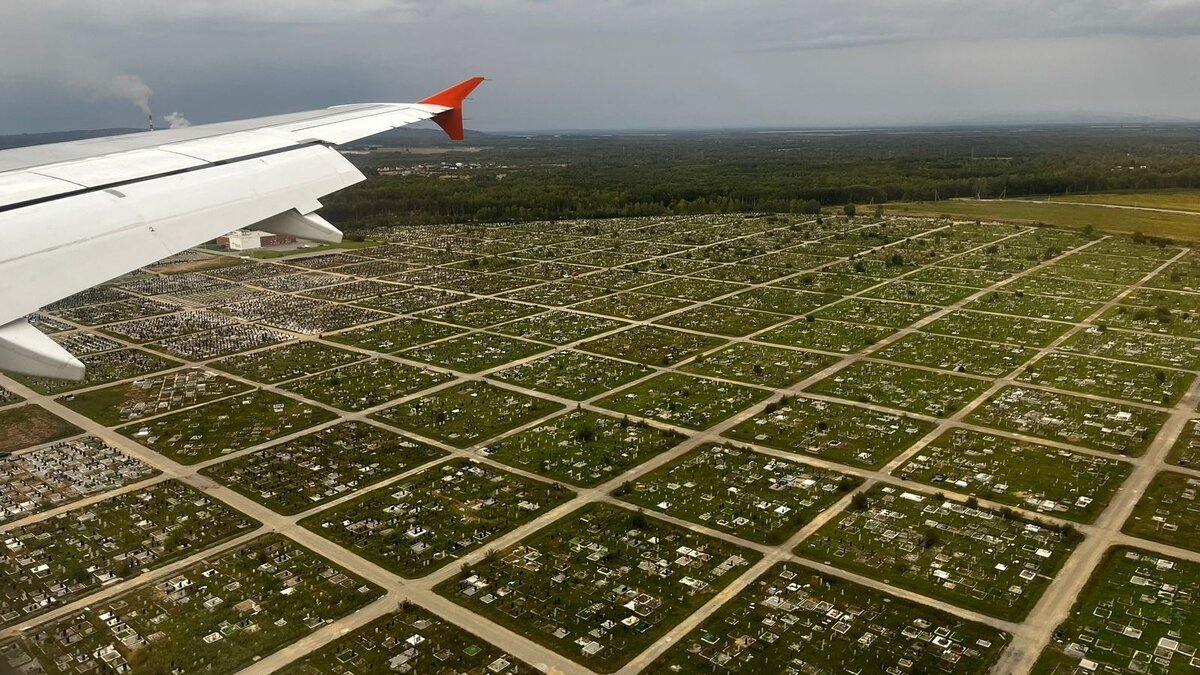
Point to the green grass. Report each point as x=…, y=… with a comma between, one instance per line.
x=909, y=389
x=467, y=413
x=759, y=364
x=691, y=402
x=1168, y=512
x=572, y=374
x=366, y=384
x=1075, y=216
x=344, y=245
x=1176, y=200
x=153, y=395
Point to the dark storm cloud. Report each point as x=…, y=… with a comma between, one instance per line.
x=605, y=63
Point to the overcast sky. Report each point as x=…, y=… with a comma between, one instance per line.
x=602, y=64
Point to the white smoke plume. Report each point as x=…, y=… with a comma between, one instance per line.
x=176, y=120
x=129, y=87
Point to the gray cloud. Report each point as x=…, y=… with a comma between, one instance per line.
x=606, y=63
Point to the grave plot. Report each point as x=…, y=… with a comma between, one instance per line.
x=1079, y=289
x=314, y=469
x=1168, y=511
x=1139, y=613
x=1154, y=298
x=228, y=425
x=684, y=400
x=92, y=296
x=632, y=306
x=785, y=262
x=63, y=473
x=474, y=352
x=53, y=561
x=153, y=395
x=956, y=276
x=251, y=270
x=920, y=292
x=740, y=492
x=1128, y=247
x=824, y=282
x=876, y=312
x=989, y=561
x=81, y=343
x=28, y=425
x=909, y=389
x=439, y=278
x=220, y=342
x=722, y=320
x=8, y=398
x=601, y=584
x=832, y=431
x=366, y=384
x=556, y=294
x=1154, y=350
x=218, y=615
x=1100, y=425
x=755, y=271
x=47, y=324
x=826, y=336
x=1113, y=379
x=1088, y=269
x=288, y=362
x=307, y=316
x=481, y=313
x=491, y=263
x=691, y=288
x=573, y=375
x=115, y=312
x=1020, y=303
x=794, y=619
x=1186, y=451
x=410, y=638
x=553, y=271
x=1070, y=485
x=1160, y=320
x=779, y=300
x=168, y=325
x=326, y=260
x=629, y=277
x=759, y=364
x=297, y=283
x=559, y=327
x=1013, y=330
x=469, y=413
x=102, y=368
x=373, y=269
x=414, y=300
x=990, y=359
x=487, y=284
x=1181, y=275
x=355, y=290
x=393, y=336
x=652, y=345
x=418, y=525
x=582, y=447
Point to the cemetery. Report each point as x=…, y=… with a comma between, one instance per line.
x=723, y=320
x=1012, y=330
x=757, y=497
x=152, y=396
x=926, y=392
x=468, y=413
x=1091, y=423
x=25, y=426
x=684, y=400
x=1186, y=450
x=218, y=615
x=52, y=561
x=633, y=306
x=652, y=345
x=430, y=519
x=582, y=447
x=825, y=336
x=1153, y=350
x=993, y=562
x=301, y=474
x=1168, y=511
x=758, y=364
x=794, y=619
x=977, y=357
x=366, y=384
x=574, y=375
x=474, y=352
x=1112, y=379
x=599, y=585
x=288, y=362
x=216, y=429
x=103, y=368
x=1057, y=482
x=410, y=640
x=832, y=431
x=392, y=336
x=558, y=327
x=1139, y=613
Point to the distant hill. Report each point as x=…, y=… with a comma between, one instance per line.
x=25, y=140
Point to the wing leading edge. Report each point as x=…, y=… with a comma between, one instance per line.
x=74, y=215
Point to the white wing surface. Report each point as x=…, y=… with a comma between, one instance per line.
x=77, y=214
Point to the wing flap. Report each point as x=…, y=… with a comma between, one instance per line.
x=112, y=169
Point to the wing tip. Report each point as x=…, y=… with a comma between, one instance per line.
x=451, y=121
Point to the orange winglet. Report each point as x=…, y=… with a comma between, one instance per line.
x=451, y=121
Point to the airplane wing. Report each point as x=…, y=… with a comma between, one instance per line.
x=77, y=214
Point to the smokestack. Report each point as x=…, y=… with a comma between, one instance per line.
x=151, y=122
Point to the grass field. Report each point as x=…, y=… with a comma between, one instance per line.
x=1176, y=200
x=1152, y=223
